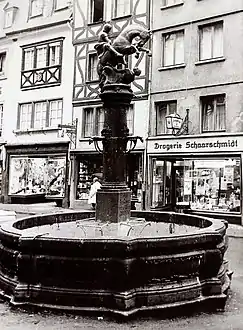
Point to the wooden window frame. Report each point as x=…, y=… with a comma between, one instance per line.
x=212, y=98
x=159, y=105
x=30, y=9
x=92, y=12
x=200, y=31
x=164, y=35
x=33, y=115
x=89, y=78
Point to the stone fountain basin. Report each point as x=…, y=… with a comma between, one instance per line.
x=122, y=274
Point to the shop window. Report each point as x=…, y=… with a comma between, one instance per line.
x=40, y=115
x=122, y=8
x=96, y=11
x=164, y=109
x=211, y=41
x=37, y=175
x=173, y=48
x=2, y=64
x=213, y=113
x=161, y=183
x=41, y=64
x=210, y=184
x=92, y=67
x=36, y=8
x=1, y=119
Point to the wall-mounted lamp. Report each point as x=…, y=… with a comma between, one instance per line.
x=177, y=124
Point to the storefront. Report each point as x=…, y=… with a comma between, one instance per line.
x=200, y=174
x=37, y=173
x=87, y=165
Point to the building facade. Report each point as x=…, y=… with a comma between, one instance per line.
x=36, y=57
x=197, y=65
x=89, y=19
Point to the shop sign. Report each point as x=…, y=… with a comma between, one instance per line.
x=196, y=145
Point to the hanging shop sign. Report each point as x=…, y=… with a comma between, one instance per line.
x=196, y=145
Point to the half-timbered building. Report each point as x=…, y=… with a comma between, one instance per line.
x=88, y=21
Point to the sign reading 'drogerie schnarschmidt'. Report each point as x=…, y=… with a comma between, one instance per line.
x=202, y=144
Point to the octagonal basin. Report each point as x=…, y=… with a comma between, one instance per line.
x=157, y=260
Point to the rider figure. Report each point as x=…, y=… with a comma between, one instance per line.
x=104, y=42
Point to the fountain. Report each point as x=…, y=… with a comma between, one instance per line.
x=114, y=259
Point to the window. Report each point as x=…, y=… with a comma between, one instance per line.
x=8, y=18
x=213, y=113
x=122, y=8
x=164, y=109
x=1, y=119
x=100, y=120
x=88, y=122
x=55, y=113
x=41, y=59
x=25, y=116
x=130, y=119
x=2, y=63
x=54, y=53
x=41, y=64
x=211, y=41
x=168, y=3
x=93, y=121
x=39, y=115
x=92, y=67
x=173, y=52
x=210, y=184
x=61, y=4
x=43, y=55
x=36, y=8
x=96, y=10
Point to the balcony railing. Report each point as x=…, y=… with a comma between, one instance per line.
x=41, y=77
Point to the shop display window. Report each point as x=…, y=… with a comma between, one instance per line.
x=210, y=184
x=37, y=175
x=161, y=192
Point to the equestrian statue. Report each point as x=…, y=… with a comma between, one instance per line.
x=112, y=64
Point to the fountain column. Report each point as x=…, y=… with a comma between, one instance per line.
x=114, y=198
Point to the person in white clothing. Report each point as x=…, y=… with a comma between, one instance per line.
x=93, y=191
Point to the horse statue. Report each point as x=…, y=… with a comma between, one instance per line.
x=112, y=55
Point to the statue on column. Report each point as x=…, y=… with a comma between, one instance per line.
x=112, y=64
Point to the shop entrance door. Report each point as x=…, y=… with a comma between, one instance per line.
x=162, y=183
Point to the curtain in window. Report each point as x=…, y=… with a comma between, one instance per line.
x=122, y=7
x=169, y=49
x=130, y=120
x=54, y=54
x=40, y=115
x=28, y=59
x=218, y=40
x=41, y=56
x=206, y=43
x=179, y=48
x=88, y=122
x=100, y=120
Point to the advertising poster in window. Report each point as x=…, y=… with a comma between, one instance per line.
x=37, y=175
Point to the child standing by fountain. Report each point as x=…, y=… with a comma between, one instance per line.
x=93, y=191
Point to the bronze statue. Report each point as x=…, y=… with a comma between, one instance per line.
x=112, y=63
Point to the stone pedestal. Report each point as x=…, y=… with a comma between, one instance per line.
x=113, y=200
x=113, y=205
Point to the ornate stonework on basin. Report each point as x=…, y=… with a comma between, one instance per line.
x=121, y=274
